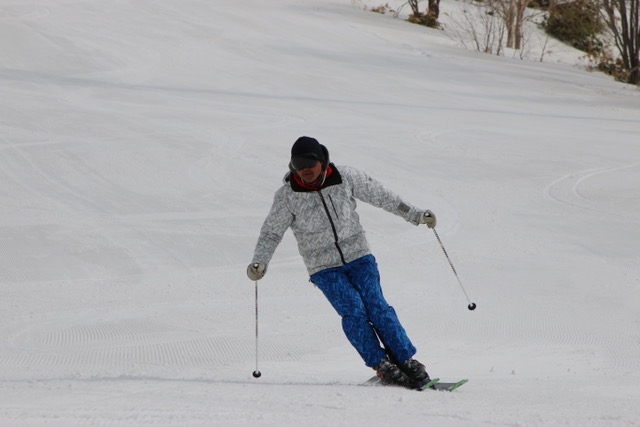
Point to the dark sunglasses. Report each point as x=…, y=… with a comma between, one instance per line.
x=305, y=161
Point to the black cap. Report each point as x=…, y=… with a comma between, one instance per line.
x=305, y=146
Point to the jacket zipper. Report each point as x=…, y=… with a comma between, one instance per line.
x=334, y=207
x=333, y=226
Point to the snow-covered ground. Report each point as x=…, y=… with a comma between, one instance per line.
x=140, y=145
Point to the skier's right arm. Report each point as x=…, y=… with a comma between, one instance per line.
x=275, y=225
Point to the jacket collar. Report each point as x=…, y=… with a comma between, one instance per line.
x=331, y=177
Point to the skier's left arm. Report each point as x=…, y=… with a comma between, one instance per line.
x=373, y=192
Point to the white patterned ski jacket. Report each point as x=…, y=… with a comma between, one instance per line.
x=325, y=222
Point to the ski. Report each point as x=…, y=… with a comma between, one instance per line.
x=377, y=382
x=449, y=386
x=373, y=381
x=433, y=384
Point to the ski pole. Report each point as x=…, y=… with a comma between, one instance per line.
x=472, y=305
x=257, y=373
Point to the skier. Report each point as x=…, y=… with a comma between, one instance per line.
x=317, y=201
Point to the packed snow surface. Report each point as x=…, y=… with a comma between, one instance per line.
x=141, y=143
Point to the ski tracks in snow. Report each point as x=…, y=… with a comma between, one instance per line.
x=604, y=189
x=613, y=192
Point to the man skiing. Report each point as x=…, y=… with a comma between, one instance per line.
x=318, y=203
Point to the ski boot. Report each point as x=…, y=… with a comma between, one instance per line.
x=390, y=374
x=415, y=371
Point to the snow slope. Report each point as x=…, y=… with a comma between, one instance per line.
x=140, y=146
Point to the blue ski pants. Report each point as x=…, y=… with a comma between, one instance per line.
x=355, y=293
